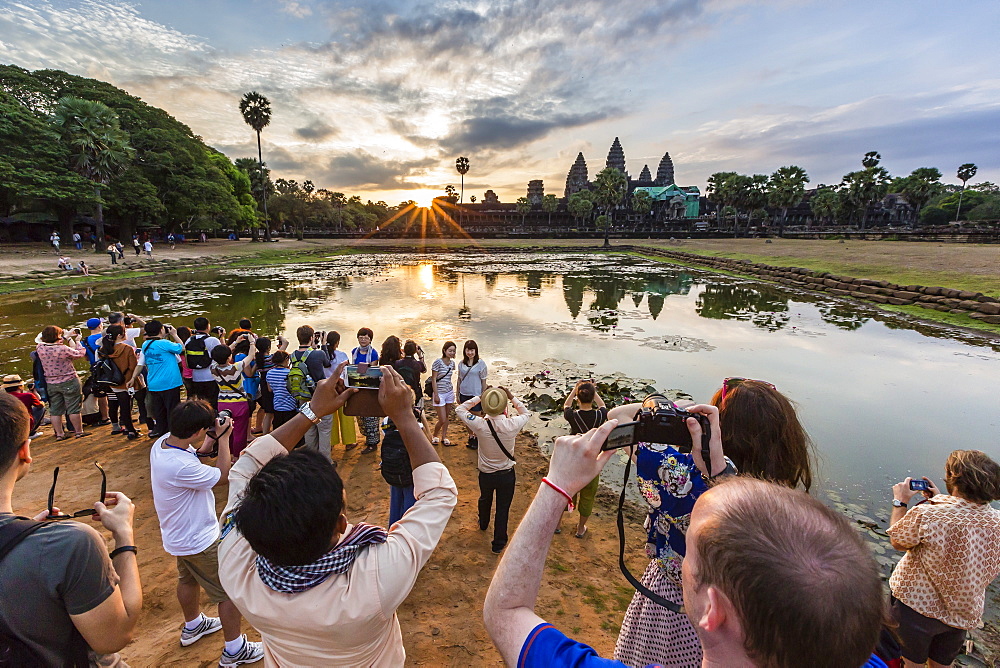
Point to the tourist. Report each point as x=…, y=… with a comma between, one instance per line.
x=113, y=252
x=54, y=240
x=314, y=605
x=952, y=545
x=78, y=241
x=396, y=469
x=113, y=346
x=365, y=353
x=121, y=250
x=136, y=245
x=498, y=433
x=342, y=427
x=62, y=594
x=163, y=374
x=232, y=397
x=590, y=413
x=148, y=247
x=316, y=363
x=57, y=350
x=84, y=269
x=172, y=241
x=185, y=506
x=64, y=263
x=277, y=383
x=245, y=327
x=14, y=386
x=410, y=368
x=184, y=333
x=197, y=350
x=768, y=442
x=471, y=381
x=443, y=398
x=132, y=323
x=133, y=328
x=91, y=343
x=773, y=577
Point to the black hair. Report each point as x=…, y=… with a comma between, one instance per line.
x=190, y=417
x=263, y=348
x=410, y=348
x=279, y=357
x=246, y=324
x=290, y=510
x=333, y=339
x=221, y=354
x=586, y=393
x=183, y=333
x=115, y=317
x=475, y=358
x=15, y=425
x=391, y=352
x=200, y=324
x=111, y=334
x=153, y=328
x=242, y=347
x=364, y=331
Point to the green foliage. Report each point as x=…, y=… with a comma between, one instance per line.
x=256, y=111
x=966, y=172
x=934, y=215
x=918, y=188
x=786, y=187
x=580, y=205
x=988, y=210
x=642, y=203
x=859, y=190
x=99, y=148
x=824, y=204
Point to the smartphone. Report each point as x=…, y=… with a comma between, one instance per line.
x=919, y=485
x=363, y=376
x=621, y=436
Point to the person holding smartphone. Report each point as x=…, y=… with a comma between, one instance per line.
x=590, y=413
x=365, y=353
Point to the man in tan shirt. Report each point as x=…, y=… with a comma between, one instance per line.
x=322, y=591
x=952, y=544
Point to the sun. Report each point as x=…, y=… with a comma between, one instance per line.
x=424, y=198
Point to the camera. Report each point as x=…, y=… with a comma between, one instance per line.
x=919, y=485
x=223, y=415
x=363, y=376
x=659, y=421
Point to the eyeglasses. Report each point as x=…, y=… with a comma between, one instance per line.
x=89, y=512
x=732, y=383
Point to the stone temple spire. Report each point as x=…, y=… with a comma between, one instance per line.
x=616, y=157
x=665, y=172
x=644, y=175
x=576, y=180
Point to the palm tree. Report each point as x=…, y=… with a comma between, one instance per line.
x=462, y=165
x=824, y=204
x=642, y=204
x=965, y=172
x=523, y=207
x=549, y=204
x=472, y=198
x=785, y=189
x=610, y=185
x=922, y=184
x=99, y=149
x=256, y=110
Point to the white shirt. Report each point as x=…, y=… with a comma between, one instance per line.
x=131, y=333
x=147, y=247
x=339, y=356
x=205, y=375
x=183, y=498
x=491, y=457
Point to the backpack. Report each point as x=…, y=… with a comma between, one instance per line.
x=299, y=383
x=196, y=352
x=14, y=652
x=106, y=372
x=38, y=373
x=396, y=469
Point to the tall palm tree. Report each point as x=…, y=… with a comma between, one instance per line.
x=610, y=185
x=462, y=165
x=256, y=110
x=965, y=172
x=99, y=148
x=523, y=206
x=785, y=189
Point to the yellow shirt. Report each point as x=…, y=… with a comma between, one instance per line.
x=953, y=554
x=349, y=619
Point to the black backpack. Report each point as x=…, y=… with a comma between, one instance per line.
x=196, y=352
x=396, y=469
x=14, y=652
x=106, y=372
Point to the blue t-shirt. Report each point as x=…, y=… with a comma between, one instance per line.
x=371, y=357
x=163, y=372
x=547, y=646
x=91, y=344
x=277, y=380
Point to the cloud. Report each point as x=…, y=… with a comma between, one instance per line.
x=316, y=131
x=297, y=9
x=362, y=170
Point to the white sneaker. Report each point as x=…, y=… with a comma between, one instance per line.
x=207, y=625
x=252, y=652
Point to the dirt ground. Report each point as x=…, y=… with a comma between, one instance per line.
x=583, y=592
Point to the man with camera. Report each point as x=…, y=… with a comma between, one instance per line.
x=320, y=590
x=158, y=356
x=61, y=595
x=197, y=353
x=185, y=505
x=952, y=545
x=772, y=577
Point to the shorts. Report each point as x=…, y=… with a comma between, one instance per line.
x=462, y=398
x=445, y=398
x=203, y=569
x=66, y=397
x=925, y=638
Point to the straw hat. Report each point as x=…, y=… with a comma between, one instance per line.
x=12, y=380
x=494, y=401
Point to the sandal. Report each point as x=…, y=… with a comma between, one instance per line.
x=62, y=438
x=80, y=434
x=581, y=535
x=435, y=440
x=447, y=442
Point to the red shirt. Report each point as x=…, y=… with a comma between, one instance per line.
x=28, y=399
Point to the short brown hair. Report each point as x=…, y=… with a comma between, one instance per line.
x=586, y=393
x=304, y=334
x=51, y=334
x=762, y=434
x=804, y=585
x=15, y=425
x=973, y=475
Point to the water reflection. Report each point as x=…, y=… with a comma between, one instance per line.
x=763, y=307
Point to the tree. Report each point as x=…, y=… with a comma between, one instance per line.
x=859, y=190
x=965, y=172
x=642, y=204
x=824, y=204
x=523, y=206
x=786, y=188
x=716, y=193
x=609, y=189
x=922, y=184
x=580, y=204
x=450, y=193
x=472, y=198
x=871, y=159
x=256, y=110
x=549, y=205
x=132, y=198
x=462, y=165
x=99, y=149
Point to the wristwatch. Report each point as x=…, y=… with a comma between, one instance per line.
x=898, y=504
x=307, y=410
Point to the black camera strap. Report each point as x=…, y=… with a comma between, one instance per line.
x=632, y=580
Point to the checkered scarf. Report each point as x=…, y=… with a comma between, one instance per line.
x=295, y=579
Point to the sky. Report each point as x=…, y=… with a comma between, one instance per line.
x=379, y=98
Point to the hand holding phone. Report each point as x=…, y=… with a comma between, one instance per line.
x=363, y=376
x=919, y=485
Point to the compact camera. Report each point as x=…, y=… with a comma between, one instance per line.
x=659, y=421
x=222, y=415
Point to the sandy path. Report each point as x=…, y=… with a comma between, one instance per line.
x=442, y=619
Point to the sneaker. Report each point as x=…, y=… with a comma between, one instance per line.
x=37, y=434
x=252, y=652
x=207, y=625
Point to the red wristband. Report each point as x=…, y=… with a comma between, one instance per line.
x=569, y=499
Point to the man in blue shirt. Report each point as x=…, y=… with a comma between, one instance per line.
x=163, y=373
x=91, y=344
x=772, y=577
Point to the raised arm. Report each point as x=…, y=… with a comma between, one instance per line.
x=396, y=398
x=328, y=396
x=572, y=396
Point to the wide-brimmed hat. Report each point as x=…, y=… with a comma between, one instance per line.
x=494, y=401
x=11, y=380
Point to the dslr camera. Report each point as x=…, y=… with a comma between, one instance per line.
x=658, y=421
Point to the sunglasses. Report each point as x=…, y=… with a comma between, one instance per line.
x=732, y=383
x=89, y=512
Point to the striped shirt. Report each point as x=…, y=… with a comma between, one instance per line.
x=277, y=380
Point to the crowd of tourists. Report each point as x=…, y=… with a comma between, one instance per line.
x=746, y=568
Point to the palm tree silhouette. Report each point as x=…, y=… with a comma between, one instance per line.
x=462, y=165
x=256, y=110
x=965, y=172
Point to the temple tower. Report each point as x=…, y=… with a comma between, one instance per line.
x=576, y=180
x=665, y=172
x=616, y=157
x=490, y=197
x=536, y=191
x=644, y=175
